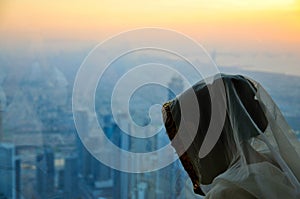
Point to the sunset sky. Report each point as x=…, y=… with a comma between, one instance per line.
x=226, y=26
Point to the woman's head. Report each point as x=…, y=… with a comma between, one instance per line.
x=243, y=119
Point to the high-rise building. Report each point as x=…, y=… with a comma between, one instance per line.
x=1, y=127
x=84, y=157
x=45, y=173
x=176, y=86
x=100, y=171
x=142, y=190
x=84, y=163
x=9, y=171
x=70, y=185
x=169, y=176
x=95, y=178
x=121, y=179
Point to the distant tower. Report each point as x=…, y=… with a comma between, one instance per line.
x=9, y=171
x=70, y=178
x=121, y=179
x=166, y=180
x=1, y=127
x=2, y=108
x=142, y=190
x=84, y=157
x=176, y=86
x=45, y=173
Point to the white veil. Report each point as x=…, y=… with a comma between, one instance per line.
x=257, y=154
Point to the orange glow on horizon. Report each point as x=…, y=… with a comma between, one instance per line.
x=270, y=20
x=253, y=30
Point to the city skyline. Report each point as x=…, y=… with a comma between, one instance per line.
x=81, y=100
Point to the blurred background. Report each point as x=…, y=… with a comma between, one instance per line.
x=42, y=45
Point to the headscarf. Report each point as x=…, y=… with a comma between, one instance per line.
x=256, y=154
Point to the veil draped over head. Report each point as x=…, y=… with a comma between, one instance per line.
x=256, y=155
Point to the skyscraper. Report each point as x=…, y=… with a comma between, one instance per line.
x=84, y=157
x=84, y=163
x=1, y=127
x=9, y=171
x=45, y=173
x=167, y=177
x=121, y=179
x=70, y=178
x=176, y=86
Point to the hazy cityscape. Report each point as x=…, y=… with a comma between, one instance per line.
x=82, y=84
x=42, y=156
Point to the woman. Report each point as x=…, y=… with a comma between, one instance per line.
x=255, y=154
